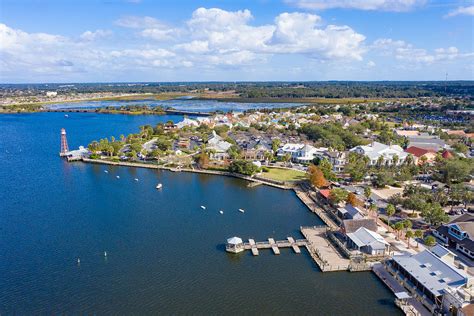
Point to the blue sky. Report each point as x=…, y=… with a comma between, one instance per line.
x=145, y=40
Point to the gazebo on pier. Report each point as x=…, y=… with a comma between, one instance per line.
x=234, y=245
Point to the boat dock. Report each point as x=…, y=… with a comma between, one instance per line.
x=274, y=245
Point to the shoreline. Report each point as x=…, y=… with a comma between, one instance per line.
x=253, y=179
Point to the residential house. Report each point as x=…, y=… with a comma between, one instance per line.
x=187, y=122
x=418, y=154
x=218, y=147
x=459, y=234
x=385, y=153
x=338, y=159
x=300, y=153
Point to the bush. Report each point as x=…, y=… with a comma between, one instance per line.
x=243, y=167
x=265, y=169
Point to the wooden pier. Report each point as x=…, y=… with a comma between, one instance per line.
x=275, y=245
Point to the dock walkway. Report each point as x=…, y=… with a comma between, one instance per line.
x=275, y=245
x=322, y=251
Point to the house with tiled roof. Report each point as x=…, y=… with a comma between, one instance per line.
x=418, y=153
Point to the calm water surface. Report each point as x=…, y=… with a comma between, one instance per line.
x=165, y=254
x=179, y=104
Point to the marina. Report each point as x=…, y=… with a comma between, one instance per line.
x=137, y=225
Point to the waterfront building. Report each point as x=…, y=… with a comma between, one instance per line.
x=378, y=151
x=300, y=153
x=235, y=245
x=432, y=278
x=367, y=241
x=352, y=225
x=349, y=212
x=459, y=234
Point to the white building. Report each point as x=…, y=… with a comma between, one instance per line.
x=218, y=147
x=368, y=241
x=433, y=279
x=187, y=122
x=51, y=93
x=376, y=150
x=301, y=153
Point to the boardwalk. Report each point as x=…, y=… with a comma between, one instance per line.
x=290, y=242
x=322, y=251
x=306, y=199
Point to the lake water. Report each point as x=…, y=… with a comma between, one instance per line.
x=178, y=104
x=165, y=254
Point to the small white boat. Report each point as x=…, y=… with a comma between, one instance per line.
x=222, y=212
x=105, y=253
x=203, y=207
x=159, y=186
x=78, y=261
x=106, y=171
x=65, y=115
x=118, y=177
x=136, y=179
x=241, y=210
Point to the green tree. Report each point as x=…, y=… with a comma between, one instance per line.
x=338, y=195
x=390, y=211
x=409, y=235
x=418, y=235
x=434, y=214
x=243, y=167
x=398, y=228
x=326, y=167
x=430, y=241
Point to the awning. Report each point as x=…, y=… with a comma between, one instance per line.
x=234, y=241
x=402, y=295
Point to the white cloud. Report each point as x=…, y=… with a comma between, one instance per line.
x=371, y=64
x=299, y=33
x=461, y=11
x=94, y=35
x=224, y=32
x=138, y=22
x=382, y=5
x=407, y=52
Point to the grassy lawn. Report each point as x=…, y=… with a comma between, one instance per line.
x=284, y=174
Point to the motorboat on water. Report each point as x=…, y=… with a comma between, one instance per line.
x=118, y=177
x=136, y=179
x=241, y=210
x=222, y=212
x=159, y=186
x=203, y=207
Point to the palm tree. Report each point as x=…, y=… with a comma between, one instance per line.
x=390, y=210
x=418, y=234
x=398, y=228
x=395, y=160
x=409, y=234
x=367, y=193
